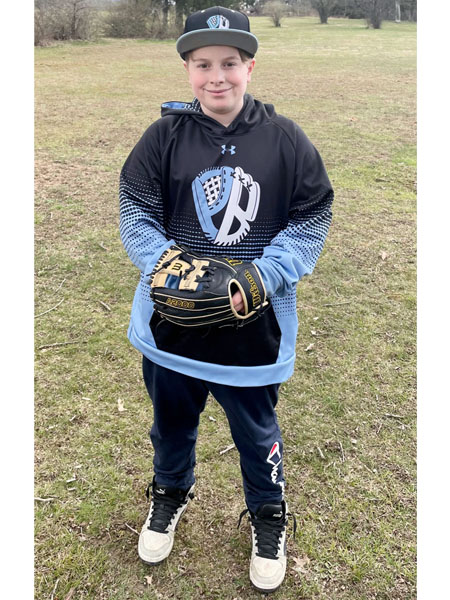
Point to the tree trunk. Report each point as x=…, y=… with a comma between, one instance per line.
x=165, y=19
x=398, y=14
x=376, y=14
x=73, y=25
x=179, y=14
x=323, y=16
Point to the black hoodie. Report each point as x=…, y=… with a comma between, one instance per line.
x=255, y=190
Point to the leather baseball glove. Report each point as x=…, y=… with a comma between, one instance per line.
x=196, y=291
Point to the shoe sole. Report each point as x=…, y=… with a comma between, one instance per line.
x=152, y=564
x=266, y=591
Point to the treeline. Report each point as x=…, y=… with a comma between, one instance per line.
x=92, y=19
x=374, y=11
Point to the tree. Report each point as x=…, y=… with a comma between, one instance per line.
x=142, y=19
x=276, y=10
x=375, y=11
x=64, y=20
x=324, y=8
x=409, y=9
x=77, y=9
x=128, y=18
x=165, y=13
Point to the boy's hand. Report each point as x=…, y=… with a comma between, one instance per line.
x=238, y=302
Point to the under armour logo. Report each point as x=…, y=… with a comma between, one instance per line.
x=231, y=149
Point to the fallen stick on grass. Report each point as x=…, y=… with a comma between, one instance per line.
x=54, y=589
x=50, y=309
x=131, y=529
x=46, y=346
x=45, y=499
x=393, y=416
x=227, y=449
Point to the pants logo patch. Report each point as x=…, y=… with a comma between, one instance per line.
x=275, y=459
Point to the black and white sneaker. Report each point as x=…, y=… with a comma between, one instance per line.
x=268, y=561
x=157, y=534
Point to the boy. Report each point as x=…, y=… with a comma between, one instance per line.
x=222, y=175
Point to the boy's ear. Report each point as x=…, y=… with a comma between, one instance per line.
x=250, y=68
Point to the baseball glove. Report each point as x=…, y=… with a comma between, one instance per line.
x=196, y=291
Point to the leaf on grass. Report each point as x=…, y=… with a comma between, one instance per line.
x=120, y=405
x=301, y=564
x=383, y=255
x=148, y=579
x=212, y=419
x=309, y=348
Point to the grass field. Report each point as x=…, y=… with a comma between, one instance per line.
x=348, y=412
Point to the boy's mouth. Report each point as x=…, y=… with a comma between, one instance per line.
x=218, y=92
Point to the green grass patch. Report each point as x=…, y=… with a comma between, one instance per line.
x=347, y=413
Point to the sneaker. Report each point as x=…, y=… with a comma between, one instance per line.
x=268, y=561
x=157, y=534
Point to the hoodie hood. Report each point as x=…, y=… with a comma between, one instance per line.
x=253, y=114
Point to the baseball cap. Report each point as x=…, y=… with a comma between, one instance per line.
x=217, y=26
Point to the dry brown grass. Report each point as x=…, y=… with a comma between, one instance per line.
x=350, y=463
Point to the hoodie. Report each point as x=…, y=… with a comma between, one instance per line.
x=255, y=190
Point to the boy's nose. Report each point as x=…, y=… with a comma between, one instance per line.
x=217, y=76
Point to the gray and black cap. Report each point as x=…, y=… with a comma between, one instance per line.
x=217, y=26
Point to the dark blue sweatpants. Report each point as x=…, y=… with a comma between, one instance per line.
x=178, y=401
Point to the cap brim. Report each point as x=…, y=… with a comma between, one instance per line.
x=200, y=38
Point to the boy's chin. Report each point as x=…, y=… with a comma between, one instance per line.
x=221, y=107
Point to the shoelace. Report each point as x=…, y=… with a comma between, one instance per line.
x=268, y=533
x=164, y=509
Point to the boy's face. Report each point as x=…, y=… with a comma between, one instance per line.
x=219, y=78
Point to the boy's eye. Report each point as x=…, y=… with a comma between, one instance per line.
x=230, y=64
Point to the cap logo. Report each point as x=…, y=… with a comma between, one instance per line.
x=218, y=22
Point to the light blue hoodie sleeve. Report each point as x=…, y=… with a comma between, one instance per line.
x=141, y=231
x=293, y=253
x=141, y=207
